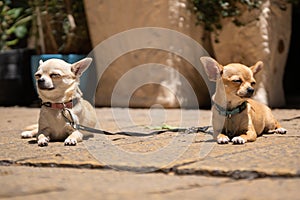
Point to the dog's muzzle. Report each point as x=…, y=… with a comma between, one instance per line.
x=250, y=92
x=43, y=85
x=246, y=93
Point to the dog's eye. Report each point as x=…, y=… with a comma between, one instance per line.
x=237, y=81
x=54, y=75
x=37, y=76
x=253, y=83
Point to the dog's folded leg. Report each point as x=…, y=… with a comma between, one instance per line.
x=279, y=130
x=75, y=137
x=222, y=139
x=30, y=131
x=239, y=139
x=28, y=134
x=249, y=136
x=43, y=140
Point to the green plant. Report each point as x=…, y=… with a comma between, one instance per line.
x=59, y=26
x=210, y=12
x=14, y=23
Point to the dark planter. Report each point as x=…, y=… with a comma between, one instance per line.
x=292, y=71
x=16, y=85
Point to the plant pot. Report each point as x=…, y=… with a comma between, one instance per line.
x=16, y=86
x=154, y=85
x=266, y=39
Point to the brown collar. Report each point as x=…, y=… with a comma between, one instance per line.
x=59, y=106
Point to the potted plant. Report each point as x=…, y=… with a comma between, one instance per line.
x=209, y=13
x=246, y=31
x=16, y=86
x=54, y=29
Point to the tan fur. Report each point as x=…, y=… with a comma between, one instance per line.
x=235, y=85
x=57, y=82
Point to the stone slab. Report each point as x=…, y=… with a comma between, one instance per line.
x=268, y=168
x=20, y=182
x=270, y=155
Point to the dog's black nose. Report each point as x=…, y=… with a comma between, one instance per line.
x=250, y=90
x=41, y=80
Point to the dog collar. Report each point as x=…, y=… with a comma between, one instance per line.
x=69, y=104
x=228, y=113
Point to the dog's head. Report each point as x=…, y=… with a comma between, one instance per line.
x=237, y=79
x=58, y=80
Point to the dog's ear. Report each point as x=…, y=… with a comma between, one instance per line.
x=41, y=62
x=212, y=68
x=257, y=67
x=79, y=67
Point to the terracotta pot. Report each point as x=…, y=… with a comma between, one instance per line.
x=107, y=18
x=265, y=37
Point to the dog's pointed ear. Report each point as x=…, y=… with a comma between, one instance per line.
x=212, y=68
x=257, y=67
x=79, y=67
x=41, y=62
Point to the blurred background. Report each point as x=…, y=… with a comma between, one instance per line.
x=230, y=31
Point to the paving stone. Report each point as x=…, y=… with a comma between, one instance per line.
x=182, y=165
x=66, y=183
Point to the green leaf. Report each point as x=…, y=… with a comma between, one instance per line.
x=163, y=127
x=12, y=42
x=23, y=21
x=14, y=12
x=20, y=31
x=10, y=30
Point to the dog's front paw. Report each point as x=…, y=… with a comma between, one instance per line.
x=238, y=140
x=280, y=131
x=27, y=134
x=223, y=139
x=70, y=141
x=43, y=141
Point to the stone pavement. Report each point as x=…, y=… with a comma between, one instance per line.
x=165, y=166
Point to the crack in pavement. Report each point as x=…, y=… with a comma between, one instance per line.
x=33, y=191
x=189, y=187
x=233, y=174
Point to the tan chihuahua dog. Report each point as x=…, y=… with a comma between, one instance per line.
x=62, y=103
x=236, y=117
